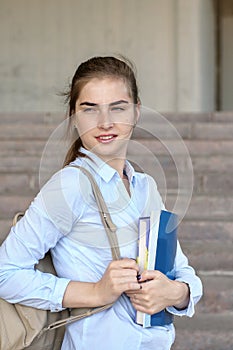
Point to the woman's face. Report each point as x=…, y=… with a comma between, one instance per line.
x=105, y=116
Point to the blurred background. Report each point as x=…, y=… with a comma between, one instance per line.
x=183, y=52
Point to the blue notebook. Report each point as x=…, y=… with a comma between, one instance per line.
x=157, y=243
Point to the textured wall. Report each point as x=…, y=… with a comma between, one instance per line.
x=42, y=41
x=226, y=58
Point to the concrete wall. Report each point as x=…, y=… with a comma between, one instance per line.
x=226, y=59
x=196, y=55
x=170, y=41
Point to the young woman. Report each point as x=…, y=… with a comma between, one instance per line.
x=104, y=108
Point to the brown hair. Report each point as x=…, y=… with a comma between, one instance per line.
x=97, y=67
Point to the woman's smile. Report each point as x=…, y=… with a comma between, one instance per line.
x=107, y=138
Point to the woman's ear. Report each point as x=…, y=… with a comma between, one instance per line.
x=137, y=113
x=74, y=120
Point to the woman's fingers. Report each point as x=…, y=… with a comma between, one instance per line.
x=125, y=263
x=120, y=276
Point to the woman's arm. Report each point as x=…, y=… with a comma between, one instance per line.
x=49, y=218
x=23, y=248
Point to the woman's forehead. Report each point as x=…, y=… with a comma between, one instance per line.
x=104, y=91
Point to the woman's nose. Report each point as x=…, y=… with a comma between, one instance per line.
x=104, y=119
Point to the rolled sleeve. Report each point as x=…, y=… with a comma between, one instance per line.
x=58, y=293
x=194, y=297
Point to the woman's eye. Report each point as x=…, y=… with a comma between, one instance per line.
x=118, y=109
x=90, y=110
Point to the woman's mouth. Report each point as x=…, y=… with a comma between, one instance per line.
x=106, y=138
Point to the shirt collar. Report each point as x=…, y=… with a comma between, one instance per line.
x=130, y=172
x=105, y=171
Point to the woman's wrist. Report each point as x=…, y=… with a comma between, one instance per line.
x=81, y=294
x=182, y=295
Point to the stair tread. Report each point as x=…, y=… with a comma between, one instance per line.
x=217, y=338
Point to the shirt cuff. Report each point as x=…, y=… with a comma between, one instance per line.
x=189, y=310
x=58, y=294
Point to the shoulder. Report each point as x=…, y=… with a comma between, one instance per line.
x=69, y=180
x=62, y=197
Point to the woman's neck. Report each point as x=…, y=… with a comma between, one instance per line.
x=118, y=165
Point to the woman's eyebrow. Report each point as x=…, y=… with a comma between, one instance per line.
x=118, y=102
x=86, y=103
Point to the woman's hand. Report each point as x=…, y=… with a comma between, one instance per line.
x=119, y=277
x=159, y=292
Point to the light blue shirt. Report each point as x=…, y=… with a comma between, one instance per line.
x=64, y=218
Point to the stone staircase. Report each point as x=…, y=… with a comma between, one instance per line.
x=206, y=232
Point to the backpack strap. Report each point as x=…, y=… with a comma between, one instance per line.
x=109, y=226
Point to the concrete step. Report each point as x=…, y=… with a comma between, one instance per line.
x=204, y=208
x=206, y=322
x=208, y=117
x=153, y=163
x=218, y=296
x=26, y=131
x=208, y=244
x=5, y=225
x=216, y=183
x=19, y=164
x=211, y=326
x=14, y=148
x=209, y=255
x=206, y=183
x=185, y=130
x=19, y=184
x=190, y=230
x=176, y=147
x=205, y=332
x=9, y=205
x=31, y=118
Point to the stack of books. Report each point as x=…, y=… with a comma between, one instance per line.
x=157, y=243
